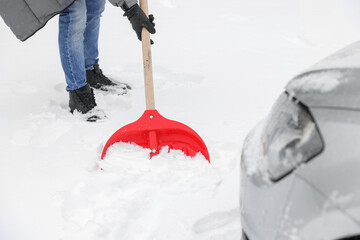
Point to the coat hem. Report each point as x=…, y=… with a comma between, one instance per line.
x=43, y=24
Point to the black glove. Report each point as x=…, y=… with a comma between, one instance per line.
x=138, y=20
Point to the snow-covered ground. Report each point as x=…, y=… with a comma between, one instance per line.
x=218, y=67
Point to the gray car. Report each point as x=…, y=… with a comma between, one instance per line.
x=300, y=167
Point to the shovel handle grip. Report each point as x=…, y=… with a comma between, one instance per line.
x=147, y=62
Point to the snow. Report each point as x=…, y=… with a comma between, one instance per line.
x=253, y=150
x=218, y=67
x=147, y=196
x=317, y=82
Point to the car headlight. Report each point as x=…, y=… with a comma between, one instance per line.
x=290, y=138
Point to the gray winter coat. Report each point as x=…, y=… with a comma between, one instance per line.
x=26, y=17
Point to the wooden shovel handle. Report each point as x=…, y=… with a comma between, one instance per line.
x=148, y=75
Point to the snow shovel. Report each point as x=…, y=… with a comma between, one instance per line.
x=152, y=130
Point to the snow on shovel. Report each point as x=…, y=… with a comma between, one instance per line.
x=152, y=130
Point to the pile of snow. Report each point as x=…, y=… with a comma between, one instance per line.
x=322, y=81
x=135, y=197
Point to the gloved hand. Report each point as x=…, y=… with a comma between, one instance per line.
x=138, y=20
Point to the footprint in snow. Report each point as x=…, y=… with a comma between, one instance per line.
x=60, y=87
x=166, y=79
x=216, y=220
x=41, y=130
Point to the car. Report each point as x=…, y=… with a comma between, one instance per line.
x=300, y=166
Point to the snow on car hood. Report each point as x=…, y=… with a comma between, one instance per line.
x=333, y=82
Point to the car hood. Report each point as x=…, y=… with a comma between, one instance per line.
x=333, y=82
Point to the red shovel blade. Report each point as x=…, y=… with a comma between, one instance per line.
x=153, y=131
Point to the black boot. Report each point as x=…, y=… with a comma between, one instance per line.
x=82, y=99
x=98, y=80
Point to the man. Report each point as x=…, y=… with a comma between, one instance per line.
x=79, y=23
x=78, y=42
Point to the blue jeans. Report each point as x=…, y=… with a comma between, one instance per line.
x=79, y=28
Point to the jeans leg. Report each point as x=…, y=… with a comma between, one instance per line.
x=91, y=36
x=72, y=23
